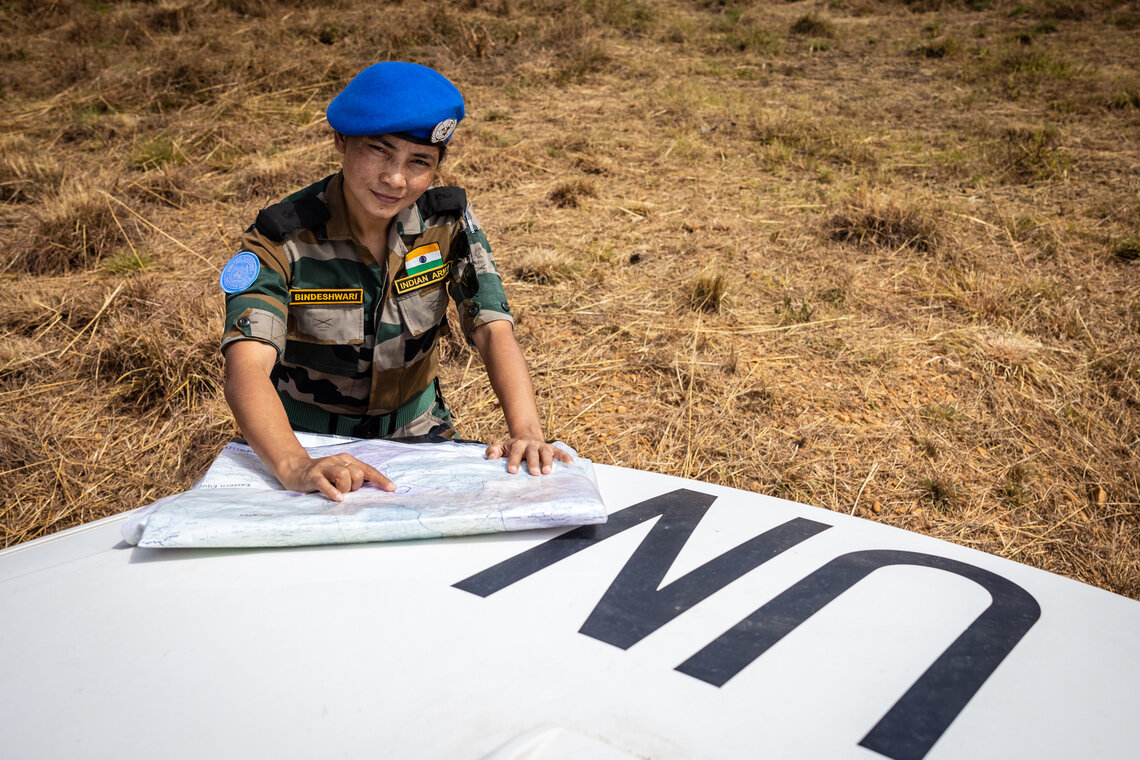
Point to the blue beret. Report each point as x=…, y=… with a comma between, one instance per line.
x=393, y=97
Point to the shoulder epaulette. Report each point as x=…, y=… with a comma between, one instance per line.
x=302, y=210
x=442, y=200
x=280, y=219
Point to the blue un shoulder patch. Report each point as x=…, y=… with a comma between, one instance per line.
x=240, y=272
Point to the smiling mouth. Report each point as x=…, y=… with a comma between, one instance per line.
x=383, y=198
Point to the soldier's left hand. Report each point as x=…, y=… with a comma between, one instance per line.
x=539, y=454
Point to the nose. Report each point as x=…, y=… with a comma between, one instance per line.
x=393, y=177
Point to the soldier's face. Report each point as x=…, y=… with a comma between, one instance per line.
x=383, y=175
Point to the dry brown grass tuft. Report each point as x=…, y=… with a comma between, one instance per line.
x=812, y=25
x=545, y=267
x=24, y=175
x=570, y=194
x=582, y=59
x=70, y=231
x=1127, y=248
x=881, y=221
x=743, y=242
x=157, y=357
x=706, y=291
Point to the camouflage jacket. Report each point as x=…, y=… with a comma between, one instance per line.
x=355, y=337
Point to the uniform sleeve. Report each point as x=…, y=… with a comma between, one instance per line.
x=477, y=287
x=259, y=310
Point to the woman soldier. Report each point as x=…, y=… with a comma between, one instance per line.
x=337, y=298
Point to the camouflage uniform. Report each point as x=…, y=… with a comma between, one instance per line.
x=357, y=341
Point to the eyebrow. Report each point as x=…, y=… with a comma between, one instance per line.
x=382, y=139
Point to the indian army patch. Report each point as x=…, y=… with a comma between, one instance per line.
x=239, y=272
x=423, y=266
x=422, y=259
x=326, y=296
x=417, y=281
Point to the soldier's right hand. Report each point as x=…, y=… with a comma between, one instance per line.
x=333, y=476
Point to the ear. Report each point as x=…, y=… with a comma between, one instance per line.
x=340, y=142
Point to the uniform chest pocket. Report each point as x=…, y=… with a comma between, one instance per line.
x=422, y=309
x=328, y=325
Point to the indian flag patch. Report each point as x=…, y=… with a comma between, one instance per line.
x=423, y=259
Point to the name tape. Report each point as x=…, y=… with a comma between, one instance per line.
x=326, y=296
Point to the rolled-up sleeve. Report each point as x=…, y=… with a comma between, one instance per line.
x=478, y=293
x=260, y=311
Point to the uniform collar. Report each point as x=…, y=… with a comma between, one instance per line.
x=336, y=228
x=408, y=222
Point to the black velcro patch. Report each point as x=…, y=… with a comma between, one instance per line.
x=280, y=219
x=443, y=200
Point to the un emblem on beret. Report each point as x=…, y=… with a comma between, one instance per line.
x=443, y=130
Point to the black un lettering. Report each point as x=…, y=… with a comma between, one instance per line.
x=633, y=607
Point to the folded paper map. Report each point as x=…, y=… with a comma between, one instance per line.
x=442, y=489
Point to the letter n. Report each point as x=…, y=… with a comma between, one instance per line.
x=635, y=606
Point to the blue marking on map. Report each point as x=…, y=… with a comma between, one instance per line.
x=239, y=272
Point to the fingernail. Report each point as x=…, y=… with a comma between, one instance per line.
x=512, y=468
x=546, y=468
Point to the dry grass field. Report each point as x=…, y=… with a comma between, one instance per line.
x=878, y=256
